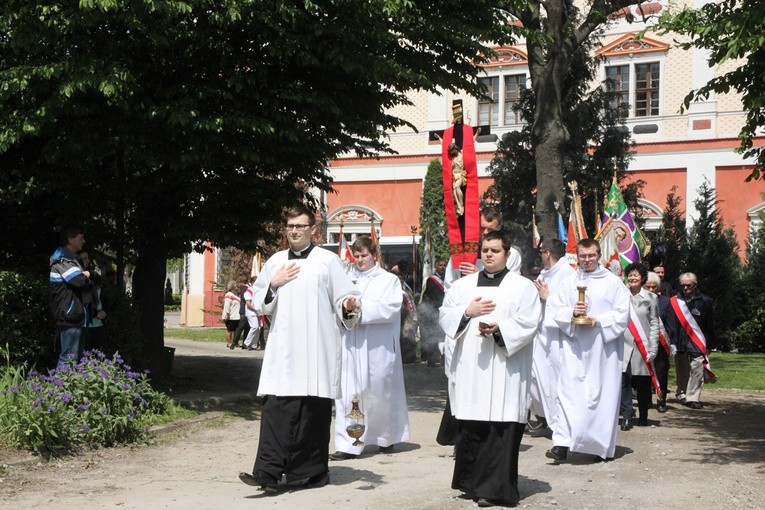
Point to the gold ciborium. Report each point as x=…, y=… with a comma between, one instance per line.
x=355, y=427
x=581, y=320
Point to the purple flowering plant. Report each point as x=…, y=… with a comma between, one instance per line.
x=96, y=401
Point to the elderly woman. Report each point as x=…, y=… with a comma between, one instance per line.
x=230, y=315
x=641, y=342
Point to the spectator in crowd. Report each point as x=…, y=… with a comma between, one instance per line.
x=641, y=342
x=230, y=315
x=69, y=284
x=253, y=319
x=306, y=292
x=371, y=361
x=691, y=325
x=589, y=385
x=243, y=328
x=491, y=318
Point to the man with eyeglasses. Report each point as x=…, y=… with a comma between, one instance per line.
x=305, y=290
x=691, y=327
x=591, y=353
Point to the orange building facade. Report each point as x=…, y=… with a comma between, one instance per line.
x=672, y=148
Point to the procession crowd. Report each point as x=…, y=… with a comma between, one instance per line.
x=563, y=352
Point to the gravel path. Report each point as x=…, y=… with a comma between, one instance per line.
x=713, y=458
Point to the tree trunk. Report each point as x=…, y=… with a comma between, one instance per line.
x=148, y=291
x=549, y=138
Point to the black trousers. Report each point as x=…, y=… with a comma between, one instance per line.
x=486, y=461
x=294, y=437
x=661, y=365
x=242, y=328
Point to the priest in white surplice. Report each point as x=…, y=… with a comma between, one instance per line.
x=307, y=293
x=372, y=364
x=544, y=371
x=491, y=317
x=589, y=383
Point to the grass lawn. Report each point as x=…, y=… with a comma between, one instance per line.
x=742, y=372
x=198, y=334
x=738, y=371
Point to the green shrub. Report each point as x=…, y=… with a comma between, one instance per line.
x=750, y=335
x=98, y=401
x=25, y=319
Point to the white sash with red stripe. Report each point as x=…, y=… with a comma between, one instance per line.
x=641, y=342
x=663, y=337
x=692, y=329
x=435, y=279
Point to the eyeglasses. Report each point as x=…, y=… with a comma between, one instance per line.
x=296, y=226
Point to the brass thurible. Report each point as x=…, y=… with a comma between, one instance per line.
x=581, y=320
x=355, y=427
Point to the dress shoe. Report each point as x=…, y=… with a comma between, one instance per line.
x=232, y=346
x=386, y=449
x=317, y=481
x=557, y=453
x=661, y=406
x=265, y=482
x=338, y=455
x=626, y=424
x=695, y=405
x=487, y=503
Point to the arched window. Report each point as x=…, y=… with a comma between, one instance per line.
x=355, y=220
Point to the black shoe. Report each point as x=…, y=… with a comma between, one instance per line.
x=265, y=482
x=244, y=346
x=661, y=406
x=626, y=424
x=232, y=346
x=386, y=449
x=318, y=481
x=338, y=455
x=251, y=348
x=557, y=453
x=695, y=405
x=642, y=422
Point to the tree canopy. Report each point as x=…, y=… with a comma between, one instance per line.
x=730, y=30
x=162, y=122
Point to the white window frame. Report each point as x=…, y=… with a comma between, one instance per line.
x=502, y=76
x=632, y=61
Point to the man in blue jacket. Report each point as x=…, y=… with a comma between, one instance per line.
x=691, y=326
x=70, y=288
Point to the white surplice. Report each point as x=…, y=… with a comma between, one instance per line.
x=372, y=365
x=302, y=355
x=545, y=368
x=489, y=382
x=589, y=384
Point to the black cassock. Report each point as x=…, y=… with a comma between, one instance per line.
x=486, y=452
